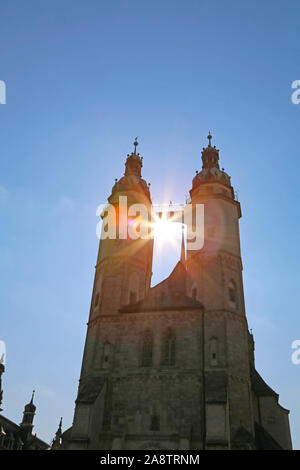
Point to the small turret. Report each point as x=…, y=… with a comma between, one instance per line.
x=57, y=441
x=28, y=414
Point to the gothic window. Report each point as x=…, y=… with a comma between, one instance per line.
x=154, y=423
x=168, y=349
x=213, y=346
x=146, y=349
x=232, y=294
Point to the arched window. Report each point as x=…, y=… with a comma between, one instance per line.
x=232, y=294
x=213, y=351
x=168, y=349
x=146, y=349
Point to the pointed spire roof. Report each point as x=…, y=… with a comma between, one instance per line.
x=59, y=430
x=30, y=407
x=57, y=441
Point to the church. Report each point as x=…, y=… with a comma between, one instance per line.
x=172, y=367
x=15, y=436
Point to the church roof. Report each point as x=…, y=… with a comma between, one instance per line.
x=264, y=440
x=15, y=436
x=89, y=389
x=170, y=294
x=259, y=386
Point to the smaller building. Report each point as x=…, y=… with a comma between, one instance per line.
x=19, y=436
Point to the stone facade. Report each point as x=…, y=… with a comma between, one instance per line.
x=172, y=367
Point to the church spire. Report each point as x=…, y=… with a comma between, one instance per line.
x=210, y=155
x=209, y=139
x=134, y=162
x=28, y=415
x=132, y=179
x=135, y=143
x=57, y=441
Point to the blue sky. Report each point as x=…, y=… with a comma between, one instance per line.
x=83, y=79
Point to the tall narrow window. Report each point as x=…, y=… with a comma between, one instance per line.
x=97, y=299
x=168, y=349
x=106, y=355
x=213, y=346
x=232, y=294
x=146, y=349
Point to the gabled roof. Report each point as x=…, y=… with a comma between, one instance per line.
x=169, y=294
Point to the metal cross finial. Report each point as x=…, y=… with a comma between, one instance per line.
x=33, y=392
x=135, y=143
x=209, y=139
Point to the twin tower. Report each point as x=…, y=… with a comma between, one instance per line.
x=171, y=367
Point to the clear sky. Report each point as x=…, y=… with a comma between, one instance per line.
x=83, y=79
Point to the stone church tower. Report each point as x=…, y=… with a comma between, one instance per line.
x=172, y=367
